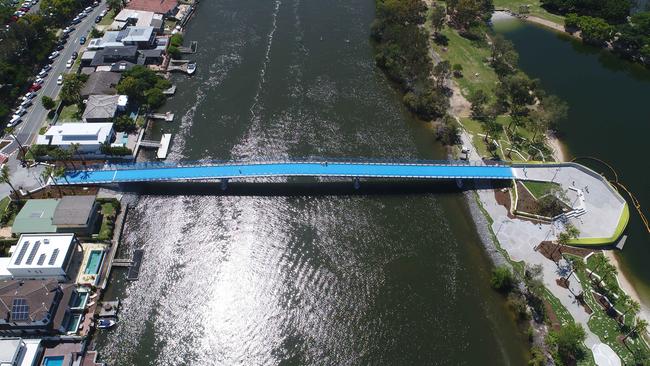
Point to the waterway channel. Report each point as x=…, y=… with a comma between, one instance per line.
x=608, y=119
x=392, y=278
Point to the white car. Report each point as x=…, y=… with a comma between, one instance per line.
x=59, y=80
x=20, y=112
x=103, y=13
x=42, y=74
x=39, y=80
x=54, y=55
x=29, y=96
x=47, y=67
x=26, y=103
x=68, y=64
x=14, y=121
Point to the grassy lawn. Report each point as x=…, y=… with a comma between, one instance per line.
x=477, y=73
x=3, y=204
x=604, y=326
x=534, y=8
x=539, y=189
x=70, y=113
x=108, y=221
x=108, y=19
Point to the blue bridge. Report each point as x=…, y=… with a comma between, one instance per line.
x=204, y=171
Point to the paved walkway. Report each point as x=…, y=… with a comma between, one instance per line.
x=368, y=169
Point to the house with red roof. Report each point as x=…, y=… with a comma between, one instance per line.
x=165, y=7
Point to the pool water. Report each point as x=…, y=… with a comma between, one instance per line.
x=94, y=262
x=71, y=322
x=53, y=361
x=78, y=300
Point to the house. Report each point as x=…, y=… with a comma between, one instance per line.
x=76, y=214
x=111, y=55
x=100, y=83
x=137, y=18
x=88, y=136
x=103, y=108
x=20, y=352
x=164, y=7
x=42, y=256
x=70, y=214
x=143, y=37
x=33, y=307
x=150, y=57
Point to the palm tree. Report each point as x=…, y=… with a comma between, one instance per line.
x=47, y=174
x=577, y=264
x=632, y=306
x=5, y=178
x=10, y=131
x=75, y=150
x=601, y=259
x=640, y=325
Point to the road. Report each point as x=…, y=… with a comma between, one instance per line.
x=33, y=121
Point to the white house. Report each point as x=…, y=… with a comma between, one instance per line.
x=42, y=256
x=20, y=352
x=89, y=136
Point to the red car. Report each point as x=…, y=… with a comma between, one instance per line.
x=35, y=87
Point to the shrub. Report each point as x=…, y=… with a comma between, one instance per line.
x=502, y=279
x=48, y=103
x=176, y=40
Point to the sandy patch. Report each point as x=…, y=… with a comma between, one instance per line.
x=556, y=146
x=626, y=285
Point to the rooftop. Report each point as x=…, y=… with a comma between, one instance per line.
x=27, y=301
x=76, y=133
x=100, y=107
x=36, y=216
x=73, y=210
x=41, y=251
x=156, y=6
x=101, y=83
x=136, y=34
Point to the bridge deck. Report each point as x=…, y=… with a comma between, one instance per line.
x=139, y=173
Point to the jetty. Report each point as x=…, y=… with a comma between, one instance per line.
x=162, y=145
x=185, y=66
x=133, y=264
x=170, y=91
x=167, y=117
x=189, y=50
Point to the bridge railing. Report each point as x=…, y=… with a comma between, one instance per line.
x=307, y=160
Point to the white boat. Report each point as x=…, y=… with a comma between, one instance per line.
x=106, y=323
x=191, y=67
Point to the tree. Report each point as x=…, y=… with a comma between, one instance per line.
x=49, y=174
x=504, y=56
x=576, y=265
x=441, y=72
x=48, y=103
x=115, y=5
x=10, y=131
x=71, y=89
x=502, y=279
x=458, y=70
x=479, y=100
x=569, y=340
x=639, y=325
x=437, y=16
x=75, y=148
x=173, y=51
x=632, y=306
x=6, y=178
x=595, y=31
x=124, y=124
x=155, y=98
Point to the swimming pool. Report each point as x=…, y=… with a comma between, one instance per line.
x=53, y=361
x=78, y=300
x=71, y=322
x=94, y=262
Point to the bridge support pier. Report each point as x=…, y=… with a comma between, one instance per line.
x=356, y=183
x=224, y=184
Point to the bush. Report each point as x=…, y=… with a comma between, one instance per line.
x=48, y=103
x=176, y=40
x=107, y=149
x=502, y=279
x=173, y=51
x=124, y=124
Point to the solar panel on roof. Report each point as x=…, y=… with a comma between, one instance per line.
x=32, y=254
x=55, y=254
x=19, y=310
x=41, y=259
x=22, y=252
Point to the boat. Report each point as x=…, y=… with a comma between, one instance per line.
x=191, y=67
x=106, y=323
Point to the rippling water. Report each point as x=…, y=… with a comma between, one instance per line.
x=311, y=278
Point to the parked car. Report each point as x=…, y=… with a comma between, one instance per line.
x=35, y=87
x=69, y=64
x=68, y=29
x=88, y=9
x=29, y=96
x=76, y=21
x=81, y=15
x=59, y=80
x=39, y=81
x=26, y=103
x=75, y=54
x=14, y=121
x=59, y=47
x=54, y=55
x=95, y=4
x=98, y=19
x=43, y=73
x=82, y=40
x=103, y=13
x=20, y=112
x=47, y=67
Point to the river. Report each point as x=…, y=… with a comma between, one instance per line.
x=319, y=276
x=608, y=119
